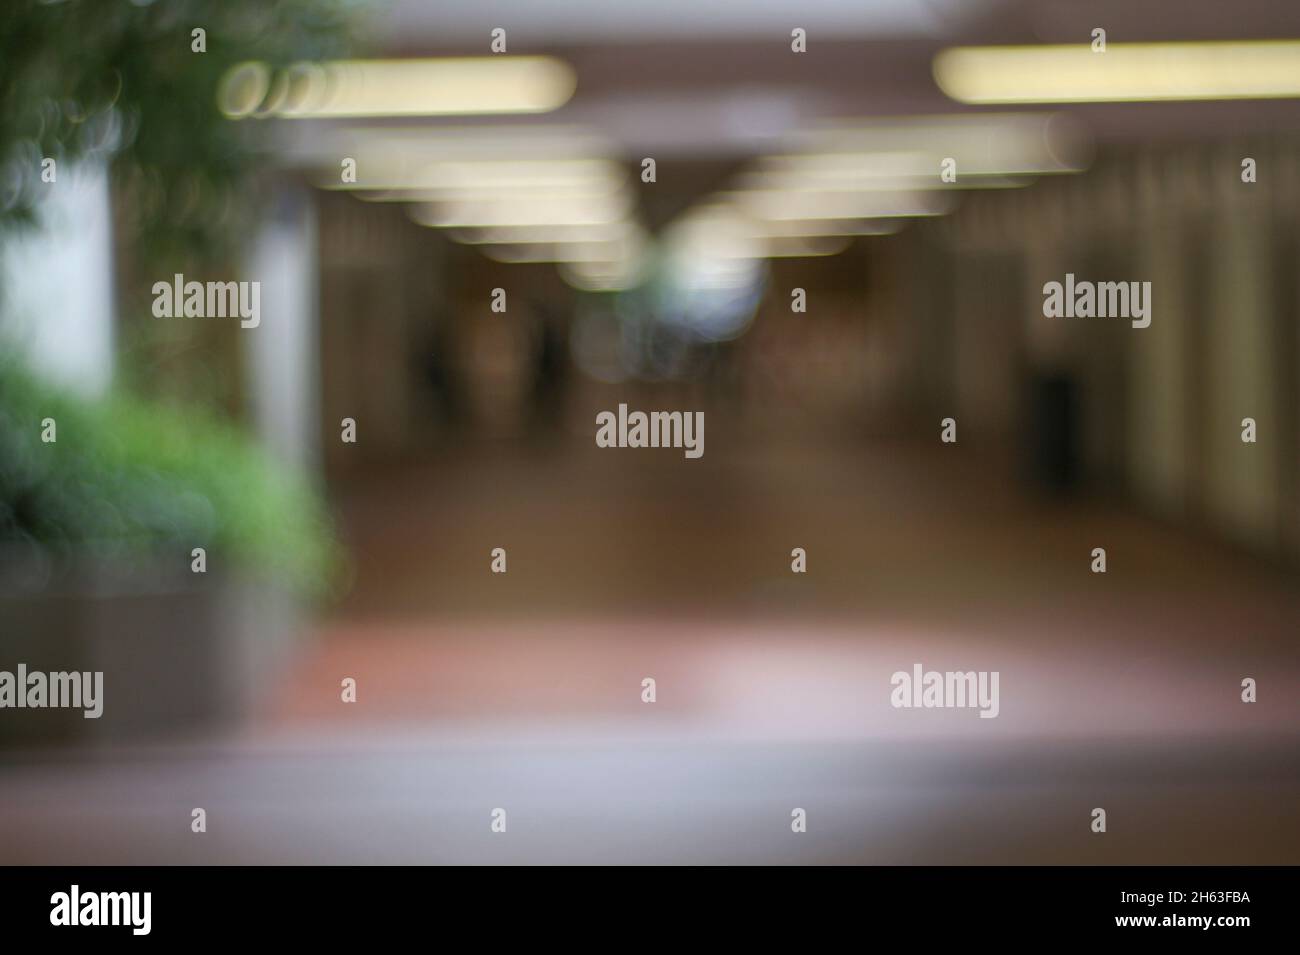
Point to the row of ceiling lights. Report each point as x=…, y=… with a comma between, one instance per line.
x=560, y=194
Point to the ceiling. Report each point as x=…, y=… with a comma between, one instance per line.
x=576, y=22
x=717, y=80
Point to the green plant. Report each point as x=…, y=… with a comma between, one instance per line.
x=121, y=79
x=122, y=82
x=126, y=479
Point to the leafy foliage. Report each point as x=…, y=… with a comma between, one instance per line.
x=119, y=77
x=128, y=480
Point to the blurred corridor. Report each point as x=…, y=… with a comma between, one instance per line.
x=883, y=385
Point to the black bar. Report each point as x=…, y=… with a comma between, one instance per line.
x=210, y=904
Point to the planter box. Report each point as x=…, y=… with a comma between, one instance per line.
x=179, y=652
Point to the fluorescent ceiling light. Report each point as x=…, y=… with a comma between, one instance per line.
x=419, y=87
x=572, y=193
x=892, y=170
x=548, y=233
x=983, y=144
x=778, y=204
x=595, y=252
x=815, y=166
x=624, y=246
x=803, y=247
x=478, y=144
x=525, y=174
x=524, y=212
x=1125, y=72
x=604, y=276
x=804, y=229
x=849, y=180
x=567, y=176
x=716, y=238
